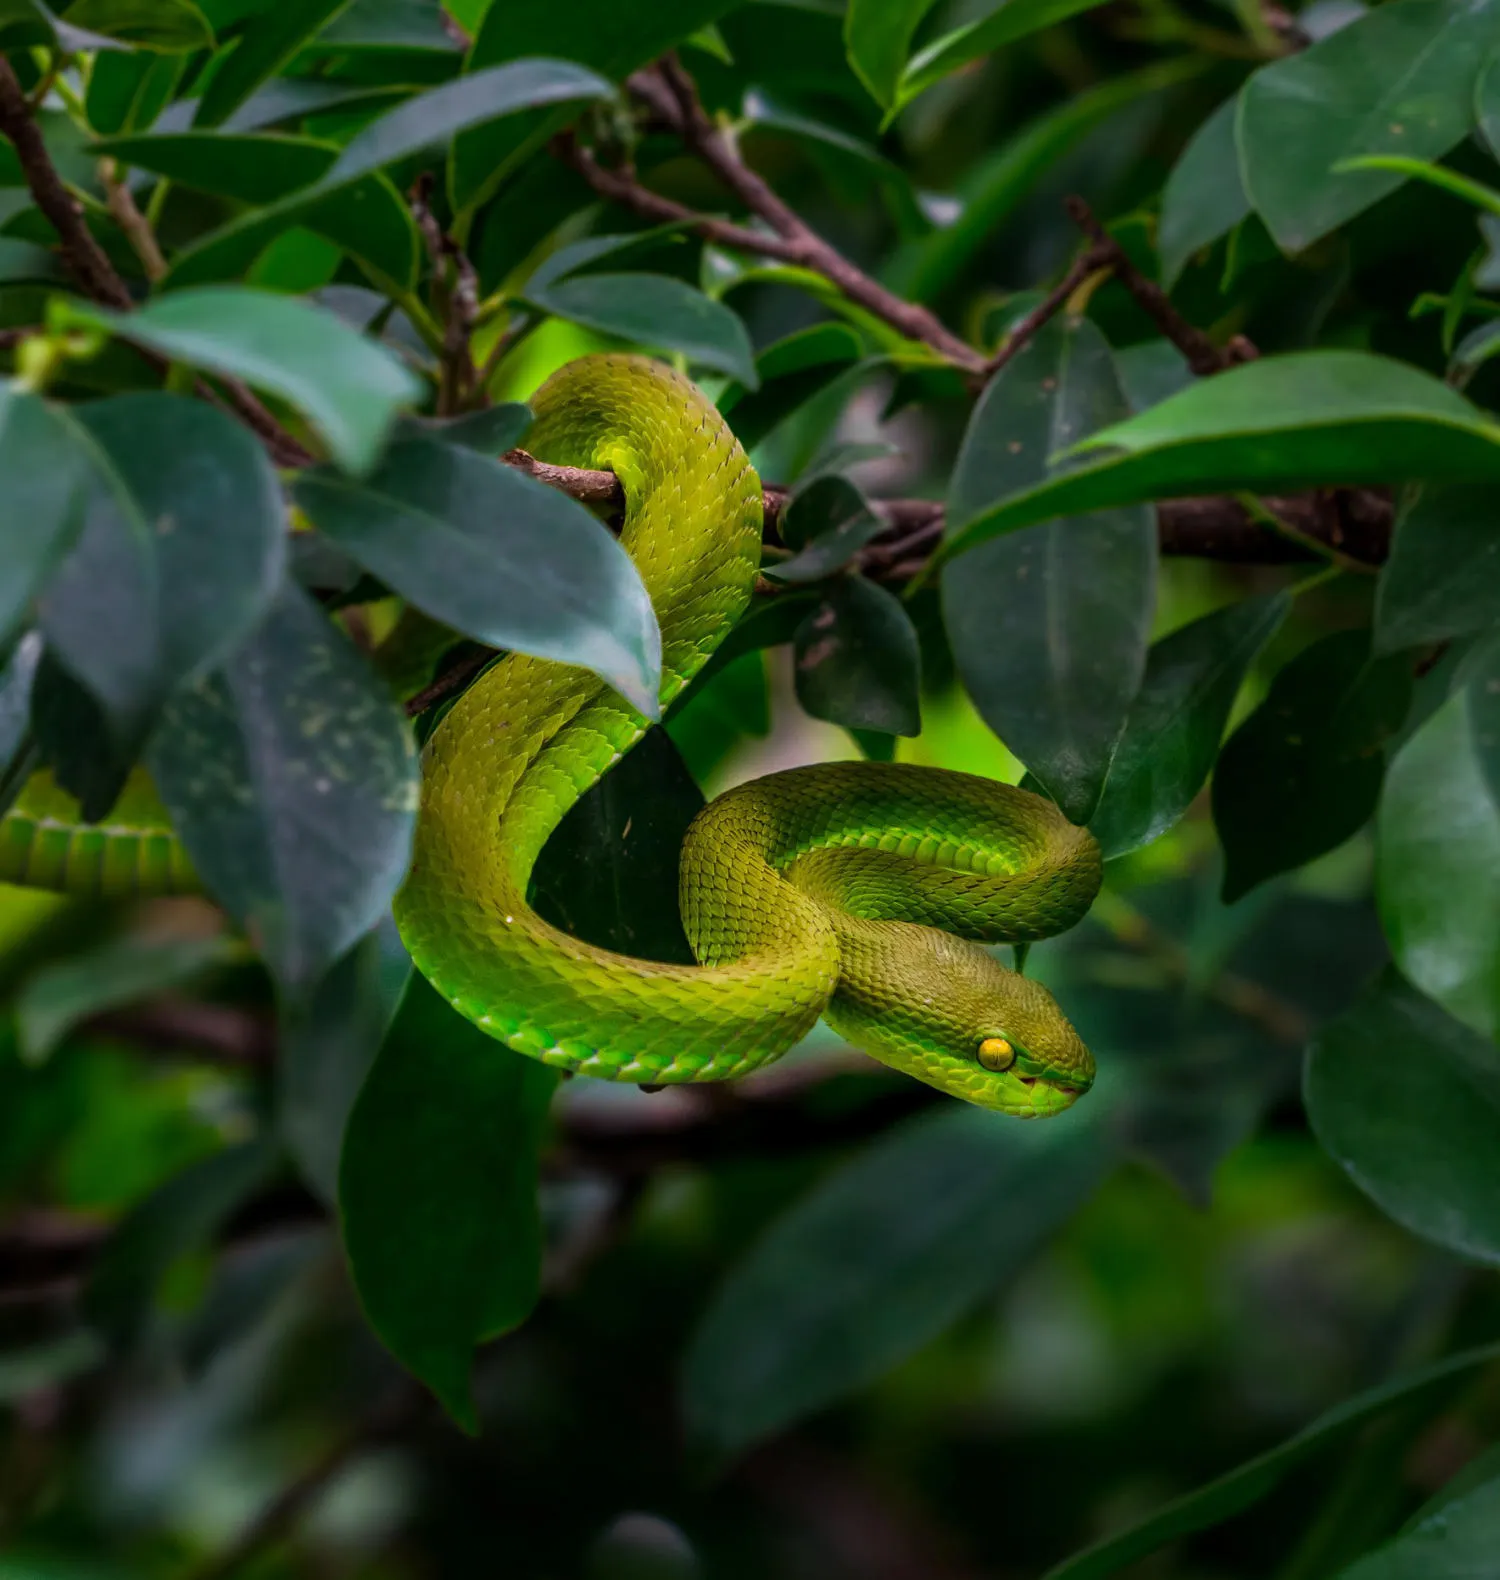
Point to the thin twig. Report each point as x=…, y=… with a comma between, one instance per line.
x=1201, y=354
x=1093, y=259
x=130, y=220
x=455, y=291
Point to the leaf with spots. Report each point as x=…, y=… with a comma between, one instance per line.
x=291, y=777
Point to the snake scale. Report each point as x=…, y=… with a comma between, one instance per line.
x=861, y=892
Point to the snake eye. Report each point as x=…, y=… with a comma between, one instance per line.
x=996, y=1054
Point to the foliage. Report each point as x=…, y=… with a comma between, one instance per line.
x=1183, y=516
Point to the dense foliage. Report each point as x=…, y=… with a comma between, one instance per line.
x=1118, y=378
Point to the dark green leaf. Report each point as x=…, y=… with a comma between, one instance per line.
x=878, y=36
x=1204, y=197
x=1303, y=772
x=1457, y=1543
x=1284, y=422
x=828, y=523
x=123, y=971
x=608, y=37
x=656, y=311
x=608, y=875
x=1443, y=576
x=169, y=25
x=1399, y=80
x=388, y=24
x=1245, y=1486
x=176, y=1219
x=490, y=432
x=878, y=1260
x=76, y=741
x=498, y=556
x=437, y=1192
x=432, y=118
x=1438, y=862
x=266, y=45
x=790, y=372
x=349, y=386
x=248, y=167
x=182, y=547
x=1407, y=1102
x=46, y=481
x=1177, y=720
x=857, y=660
x=1049, y=626
x=128, y=92
x=327, y=1048
x=291, y=778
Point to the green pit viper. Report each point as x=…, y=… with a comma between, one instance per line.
x=861, y=892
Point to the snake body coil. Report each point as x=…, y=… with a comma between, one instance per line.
x=835, y=890
x=856, y=891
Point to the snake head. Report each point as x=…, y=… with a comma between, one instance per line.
x=947, y=1012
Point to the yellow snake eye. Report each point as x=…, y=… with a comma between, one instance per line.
x=996, y=1054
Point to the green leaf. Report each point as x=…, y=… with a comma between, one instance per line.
x=327, y=1048
x=1487, y=100
x=248, y=167
x=790, y=372
x=608, y=875
x=128, y=92
x=387, y=25
x=1303, y=772
x=1399, y=80
x=291, y=778
x=1443, y=576
x=878, y=36
x=491, y=432
x=656, y=311
x=1049, y=627
x=498, y=556
x=878, y=1260
x=1245, y=1486
x=431, y=119
x=1457, y=1543
x=46, y=481
x=178, y=1218
x=1438, y=862
x=1003, y=23
x=50, y=1004
x=603, y=35
x=1177, y=720
x=438, y=1192
x=1312, y=418
x=350, y=387
x=1204, y=197
x=181, y=551
x=166, y=25
x=76, y=741
x=266, y=45
x=828, y=523
x=1423, y=1149
x=857, y=660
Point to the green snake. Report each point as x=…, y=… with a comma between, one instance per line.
x=859, y=892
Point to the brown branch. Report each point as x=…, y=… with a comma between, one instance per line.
x=1090, y=261
x=1201, y=354
x=223, y=1033
x=128, y=217
x=455, y=290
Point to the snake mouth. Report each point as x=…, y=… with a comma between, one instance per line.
x=1070, y=1088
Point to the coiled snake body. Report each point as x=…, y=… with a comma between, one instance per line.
x=857, y=891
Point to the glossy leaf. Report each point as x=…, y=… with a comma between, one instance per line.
x=608, y=875
x=1303, y=772
x=1407, y=1101
x=245, y=166
x=878, y=36
x=44, y=482
x=181, y=550
x=1399, y=80
x=1049, y=626
x=497, y=555
x=128, y=92
x=291, y=778
x=1458, y=1542
x=176, y=1219
x=1204, y=197
x=1438, y=865
x=169, y=25
x=877, y=1260
x=1317, y=417
x=350, y=387
x=491, y=432
x=1442, y=579
x=1174, y=727
x=438, y=1192
x=828, y=523
x=1246, y=1485
x=600, y=34
x=124, y=971
x=857, y=660
x=789, y=372
x=653, y=310
x=327, y=1048
x=266, y=45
